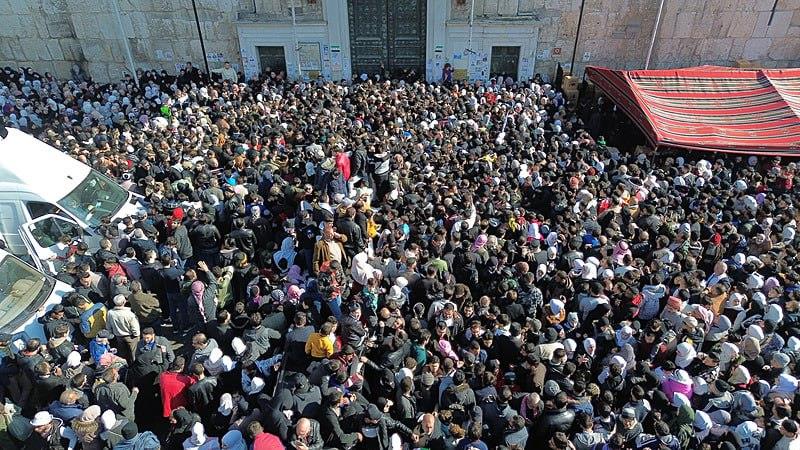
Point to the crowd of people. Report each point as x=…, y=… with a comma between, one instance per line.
x=403, y=265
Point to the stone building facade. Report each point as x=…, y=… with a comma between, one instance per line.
x=339, y=38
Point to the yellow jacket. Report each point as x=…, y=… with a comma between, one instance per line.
x=319, y=346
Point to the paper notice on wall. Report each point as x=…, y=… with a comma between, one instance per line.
x=215, y=57
x=457, y=56
x=544, y=54
x=309, y=55
x=326, y=55
x=336, y=61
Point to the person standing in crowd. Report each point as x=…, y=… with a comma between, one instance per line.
x=384, y=263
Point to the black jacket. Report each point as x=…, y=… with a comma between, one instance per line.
x=355, y=237
x=332, y=432
x=314, y=439
x=553, y=421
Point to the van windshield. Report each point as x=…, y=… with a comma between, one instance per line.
x=94, y=198
x=23, y=290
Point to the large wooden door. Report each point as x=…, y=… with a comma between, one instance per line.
x=389, y=33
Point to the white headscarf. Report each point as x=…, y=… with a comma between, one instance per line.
x=286, y=253
x=685, y=355
x=361, y=270
x=590, y=343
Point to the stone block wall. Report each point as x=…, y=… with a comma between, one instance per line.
x=51, y=35
x=617, y=33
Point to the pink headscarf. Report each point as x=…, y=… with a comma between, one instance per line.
x=620, y=250
x=480, y=241
x=293, y=293
x=446, y=349
x=198, y=289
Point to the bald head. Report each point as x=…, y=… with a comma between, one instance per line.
x=303, y=427
x=428, y=422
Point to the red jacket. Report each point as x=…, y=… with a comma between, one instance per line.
x=174, y=389
x=266, y=441
x=343, y=164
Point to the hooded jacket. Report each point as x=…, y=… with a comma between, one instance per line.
x=145, y=440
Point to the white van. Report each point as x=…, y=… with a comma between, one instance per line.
x=25, y=295
x=45, y=194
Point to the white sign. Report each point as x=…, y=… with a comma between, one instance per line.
x=586, y=56
x=310, y=58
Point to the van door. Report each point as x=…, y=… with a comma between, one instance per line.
x=11, y=218
x=49, y=237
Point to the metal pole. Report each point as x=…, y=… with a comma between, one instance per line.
x=653, y=37
x=125, y=42
x=577, y=33
x=469, y=40
x=296, y=44
x=202, y=43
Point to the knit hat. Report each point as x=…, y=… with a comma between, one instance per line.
x=427, y=379
x=628, y=413
x=129, y=430
x=551, y=389
x=446, y=349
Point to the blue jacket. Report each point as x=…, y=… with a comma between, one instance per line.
x=65, y=412
x=145, y=440
x=97, y=350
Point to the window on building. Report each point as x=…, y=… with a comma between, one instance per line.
x=505, y=61
x=272, y=59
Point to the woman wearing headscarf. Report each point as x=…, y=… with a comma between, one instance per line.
x=678, y=382
x=751, y=351
x=202, y=301
x=199, y=440
x=685, y=355
x=284, y=258
x=612, y=378
x=587, y=353
x=620, y=250
x=233, y=440
x=361, y=271
x=555, y=312
x=740, y=377
x=627, y=353
x=226, y=414
x=181, y=421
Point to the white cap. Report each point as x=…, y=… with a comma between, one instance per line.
x=41, y=418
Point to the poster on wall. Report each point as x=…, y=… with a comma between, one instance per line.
x=310, y=56
x=336, y=61
x=216, y=57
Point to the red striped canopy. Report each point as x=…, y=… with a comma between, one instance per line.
x=710, y=108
